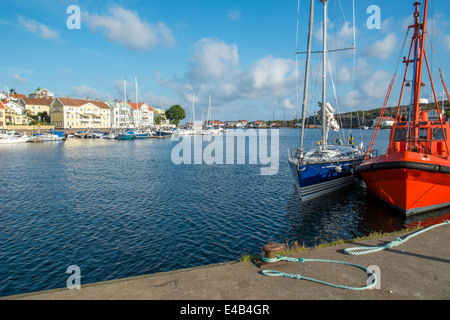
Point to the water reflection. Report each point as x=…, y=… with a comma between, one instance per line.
x=120, y=209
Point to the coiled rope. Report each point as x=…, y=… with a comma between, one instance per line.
x=366, y=250
x=350, y=251
x=273, y=273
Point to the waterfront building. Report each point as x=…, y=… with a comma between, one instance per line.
x=385, y=122
x=121, y=114
x=36, y=105
x=241, y=124
x=16, y=97
x=14, y=113
x=230, y=124
x=67, y=113
x=2, y=115
x=41, y=94
x=256, y=124
x=143, y=114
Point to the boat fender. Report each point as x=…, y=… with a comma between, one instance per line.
x=338, y=169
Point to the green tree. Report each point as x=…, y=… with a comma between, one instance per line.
x=44, y=116
x=158, y=118
x=175, y=114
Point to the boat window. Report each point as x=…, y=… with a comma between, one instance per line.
x=437, y=134
x=400, y=135
x=423, y=133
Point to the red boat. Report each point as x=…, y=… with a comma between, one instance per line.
x=414, y=174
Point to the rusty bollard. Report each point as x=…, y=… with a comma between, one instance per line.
x=270, y=251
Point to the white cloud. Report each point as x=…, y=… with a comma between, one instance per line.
x=126, y=27
x=18, y=78
x=268, y=76
x=373, y=84
x=234, y=15
x=447, y=42
x=383, y=48
x=38, y=28
x=157, y=101
x=215, y=70
x=212, y=59
x=84, y=91
x=120, y=85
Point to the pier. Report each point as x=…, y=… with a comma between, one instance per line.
x=415, y=270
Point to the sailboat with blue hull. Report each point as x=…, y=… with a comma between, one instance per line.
x=325, y=167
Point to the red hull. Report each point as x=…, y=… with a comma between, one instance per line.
x=414, y=175
x=401, y=181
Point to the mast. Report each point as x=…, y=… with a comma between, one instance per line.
x=125, y=94
x=324, y=77
x=308, y=57
x=419, y=55
x=137, y=102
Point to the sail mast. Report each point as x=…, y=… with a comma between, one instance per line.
x=324, y=77
x=308, y=57
x=137, y=103
x=420, y=51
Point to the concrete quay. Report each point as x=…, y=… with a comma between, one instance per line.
x=416, y=270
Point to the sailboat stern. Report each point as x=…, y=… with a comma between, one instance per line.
x=317, y=179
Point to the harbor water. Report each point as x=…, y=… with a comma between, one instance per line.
x=120, y=209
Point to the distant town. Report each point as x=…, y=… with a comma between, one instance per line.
x=40, y=107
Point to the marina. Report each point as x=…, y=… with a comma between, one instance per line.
x=110, y=193
x=121, y=210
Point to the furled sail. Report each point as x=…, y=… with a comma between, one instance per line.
x=332, y=123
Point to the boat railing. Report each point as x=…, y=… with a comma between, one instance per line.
x=293, y=153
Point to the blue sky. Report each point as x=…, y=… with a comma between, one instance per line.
x=242, y=53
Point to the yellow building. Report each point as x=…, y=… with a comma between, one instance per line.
x=12, y=113
x=67, y=113
x=2, y=115
x=36, y=105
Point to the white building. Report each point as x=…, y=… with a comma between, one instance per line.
x=143, y=114
x=385, y=122
x=121, y=114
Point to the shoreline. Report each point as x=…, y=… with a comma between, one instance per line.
x=411, y=271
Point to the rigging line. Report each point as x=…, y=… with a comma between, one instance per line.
x=354, y=71
x=335, y=95
x=296, y=70
x=439, y=68
x=377, y=126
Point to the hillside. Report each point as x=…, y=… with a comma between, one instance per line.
x=366, y=118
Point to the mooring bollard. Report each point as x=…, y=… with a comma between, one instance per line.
x=270, y=251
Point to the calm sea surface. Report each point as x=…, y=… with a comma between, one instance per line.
x=118, y=209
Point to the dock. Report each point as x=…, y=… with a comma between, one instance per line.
x=416, y=270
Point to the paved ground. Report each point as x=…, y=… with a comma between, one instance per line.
x=416, y=270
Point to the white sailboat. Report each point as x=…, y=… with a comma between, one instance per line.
x=209, y=128
x=12, y=137
x=326, y=167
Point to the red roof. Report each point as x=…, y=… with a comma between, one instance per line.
x=79, y=102
x=134, y=106
x=37, y=101
x=18, y=96
x=1, y=105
